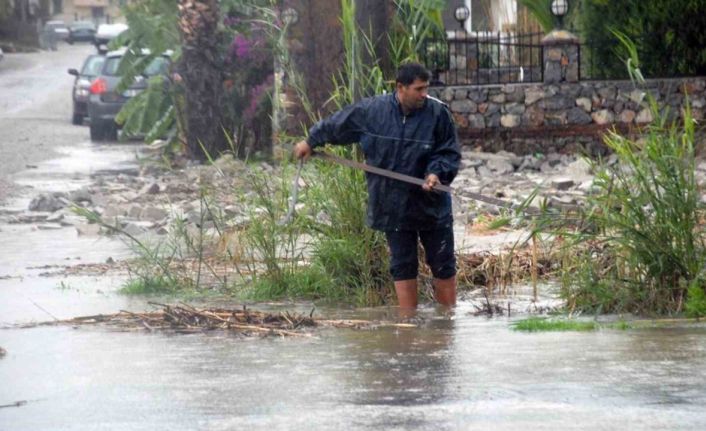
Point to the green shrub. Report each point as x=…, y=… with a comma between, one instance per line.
x=695, y=302
x=641, y=240
x=661, y=29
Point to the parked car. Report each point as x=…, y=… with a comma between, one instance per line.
x=59, y=27
x=105, y=102
x=52, y=33
x=81, y=31
x=107, y=32
x=2, y=54
x=92, y=66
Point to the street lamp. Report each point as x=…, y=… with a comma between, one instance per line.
x=461, y=14
x=559, y=9
x=290, y=16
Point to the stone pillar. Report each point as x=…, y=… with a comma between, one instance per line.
x=561, y=57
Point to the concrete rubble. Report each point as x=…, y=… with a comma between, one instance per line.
x=152, y=200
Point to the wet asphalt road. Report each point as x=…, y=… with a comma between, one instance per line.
x=36, y=108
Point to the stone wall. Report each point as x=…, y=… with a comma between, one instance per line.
x=567, y=117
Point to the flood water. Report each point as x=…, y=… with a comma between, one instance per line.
x=459, y=372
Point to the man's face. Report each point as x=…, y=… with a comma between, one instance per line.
x=412, y=96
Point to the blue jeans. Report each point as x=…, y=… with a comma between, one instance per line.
x=438, y=247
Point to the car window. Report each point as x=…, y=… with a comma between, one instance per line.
x=56, y=25
x=157, y=66
x=93, y=65
x=82, y=25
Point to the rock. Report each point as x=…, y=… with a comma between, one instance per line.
x=637, y=96
x=514, y=108
x=134, y=211
x=562, y=183
x=47, y=202
x=607, y=93
x=476, y=121
x=150, y=189
x=55, y=217
x=603, y=117
x=533, y=116
x=498, y=98
x=530, y=162
x=86, y=229
x=468, y=164
x=483, y=171
x=533, y=94
x=561, y=200
x=556, y=103
x=81, y=195
x=584, y=103
x=556, y=118
x=464, y=106
x=134, y=229
x=549, y=166
x=500, y=167
x=579, y=168
x=645, y=116
x=112, y=211
x=578, y=116
x=627, y=116
x=152, y=213
x=447, y=95
x=510, y=120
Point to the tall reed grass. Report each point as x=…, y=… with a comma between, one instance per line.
x=348, y=261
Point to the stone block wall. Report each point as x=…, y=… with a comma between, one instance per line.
x=567, y=117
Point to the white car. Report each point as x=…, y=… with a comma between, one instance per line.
x=2, y=54
x=107, y=32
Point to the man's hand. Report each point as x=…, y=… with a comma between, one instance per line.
x=430, y=181
x=302, y=150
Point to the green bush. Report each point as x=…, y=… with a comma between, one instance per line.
x=669, y=35
x=641, y=234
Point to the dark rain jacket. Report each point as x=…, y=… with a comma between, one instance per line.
x=421, y=143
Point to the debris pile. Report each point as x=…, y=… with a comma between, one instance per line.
x=184, y=318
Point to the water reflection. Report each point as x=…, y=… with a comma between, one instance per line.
x=402, y=366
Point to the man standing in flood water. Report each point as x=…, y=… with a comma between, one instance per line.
x=413, y=134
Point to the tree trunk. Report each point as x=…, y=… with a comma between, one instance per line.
x=202, y=77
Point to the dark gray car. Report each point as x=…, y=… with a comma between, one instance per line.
x=105, y=102
x=92, y=66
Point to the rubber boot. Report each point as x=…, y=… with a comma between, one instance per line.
x=445, y=291
x=406, y=293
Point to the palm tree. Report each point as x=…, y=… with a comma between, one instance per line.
x=202, y=78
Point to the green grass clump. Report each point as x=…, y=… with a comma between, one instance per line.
x=539, y=324
x=148, y=286
x=696, y=302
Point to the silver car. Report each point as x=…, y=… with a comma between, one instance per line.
x=92, y=66
x=105, y=102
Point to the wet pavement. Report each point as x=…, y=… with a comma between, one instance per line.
x=455, y=371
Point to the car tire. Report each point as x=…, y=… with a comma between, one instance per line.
x=97, y=131
x=77, y=119
x=110, y=131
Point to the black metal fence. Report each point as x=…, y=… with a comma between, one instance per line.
x=485, y=58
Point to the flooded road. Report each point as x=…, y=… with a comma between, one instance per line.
x=462, y=373
x=453, y=372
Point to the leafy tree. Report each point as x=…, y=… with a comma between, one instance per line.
x=669, y=34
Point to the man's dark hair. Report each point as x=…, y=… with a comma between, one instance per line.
x=408, y=72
